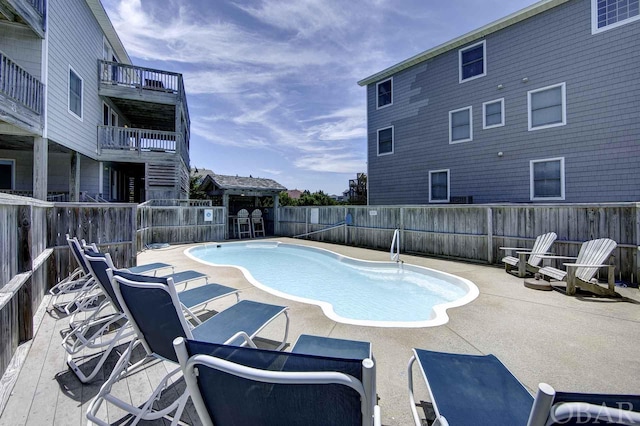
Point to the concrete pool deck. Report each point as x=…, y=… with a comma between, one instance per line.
x=573, y=343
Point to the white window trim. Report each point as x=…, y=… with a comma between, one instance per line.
x=431, y=200
x=69, y=94
x=393, y=140
x=594, y=20
x=451, y=141
x=13, y=171
x=484, y=61
x=378, y=84
x=563, y=87
x=484, y=113
x=562, y=180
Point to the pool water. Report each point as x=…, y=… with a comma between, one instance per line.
x=383, y=294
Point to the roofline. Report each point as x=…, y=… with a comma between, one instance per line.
x=240, y=188
x=109, y=31
x=493, y=27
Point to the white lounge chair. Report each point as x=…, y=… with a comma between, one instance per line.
x=592, y=256
x=528, y=260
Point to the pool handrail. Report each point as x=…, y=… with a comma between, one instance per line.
x=395, y=244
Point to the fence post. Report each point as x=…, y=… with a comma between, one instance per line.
x=637, y=244
x=402, y=239
x=346, y=237
x=134, y=234
x=25, y=264
x=490, y=235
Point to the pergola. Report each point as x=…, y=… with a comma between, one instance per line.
x=239, y=192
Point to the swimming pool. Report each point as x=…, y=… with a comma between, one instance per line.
x=352, y=291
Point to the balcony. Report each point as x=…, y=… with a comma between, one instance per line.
x=138, y=83
x=121, y=142
x=28, y=12
x=21, y=96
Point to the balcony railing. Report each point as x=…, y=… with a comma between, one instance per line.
x=140, y=78
x=38, y=5
x=19, y=85
x=141, y=140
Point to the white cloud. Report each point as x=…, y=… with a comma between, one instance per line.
x=340, y=163
x=271, y=171
x=305, y=17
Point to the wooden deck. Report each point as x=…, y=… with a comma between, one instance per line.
x=48, y=392
x=540, y=336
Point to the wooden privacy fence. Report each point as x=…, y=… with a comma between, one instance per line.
x=111, y=226
x=24, y=259
x=34, y=253
x=179, y=221
x=473, y=232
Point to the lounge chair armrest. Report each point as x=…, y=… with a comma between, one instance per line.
x=584, y=265
x=557, y=257
x=515, y=248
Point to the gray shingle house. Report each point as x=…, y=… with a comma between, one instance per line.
x=540, y=106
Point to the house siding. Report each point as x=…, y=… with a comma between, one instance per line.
x=23, y=47
x=600, y=142
x=75, y=39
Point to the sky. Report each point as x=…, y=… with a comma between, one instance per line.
x=272, y=84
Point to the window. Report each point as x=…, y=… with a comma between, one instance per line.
x=493, y=114
x=547, y=107
x=7, y=174
x=472, y=61
x=384, y=92
x=385, y=141
x=460, y=125
x=607, y=14
x=547, y=179
x=439, y=186
x=105, y=114
x=75, y=94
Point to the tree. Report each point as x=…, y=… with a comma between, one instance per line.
x=195, y=193
x=318, y=198
x=307, y=198
x=285, y=200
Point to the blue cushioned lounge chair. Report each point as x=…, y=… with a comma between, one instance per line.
x=480, y=390
x=97, y=334
x=74, y=292
x=245, y=386
x=77, y=293
x=153, y=308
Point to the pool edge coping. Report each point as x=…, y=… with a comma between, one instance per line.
x=439, y=311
